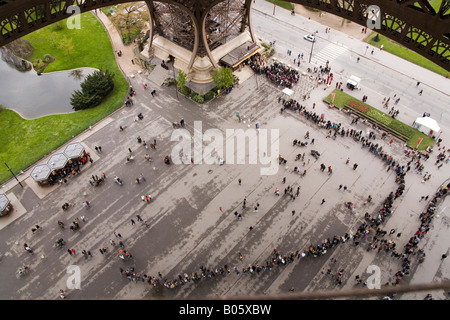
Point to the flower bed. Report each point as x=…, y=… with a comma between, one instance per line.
x=396, y=127
x=358, y=106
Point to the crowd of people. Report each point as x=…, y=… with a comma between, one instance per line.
x=72, y=168
x=276, y=72
x=369, y=230
x=371, y=225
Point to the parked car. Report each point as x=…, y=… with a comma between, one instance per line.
x=310, y=37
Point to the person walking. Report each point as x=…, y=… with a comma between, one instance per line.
x=323, y=201
x=139, y=218
x=355, y=166
x=239, y=181
x=132, y=222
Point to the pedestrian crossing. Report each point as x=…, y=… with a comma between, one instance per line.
x=329, y=53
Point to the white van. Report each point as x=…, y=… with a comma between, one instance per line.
x=353, y=83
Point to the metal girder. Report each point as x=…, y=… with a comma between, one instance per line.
x=415, y=24
x=420, y=25
x=182, y=22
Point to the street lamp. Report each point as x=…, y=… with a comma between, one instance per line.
x=173, y=71
x=310, y=55
x=13, y=174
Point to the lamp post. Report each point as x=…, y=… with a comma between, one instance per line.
x=176, y=85
x=13, y=174
x=310, y=55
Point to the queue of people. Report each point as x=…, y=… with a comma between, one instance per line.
x=277, y=72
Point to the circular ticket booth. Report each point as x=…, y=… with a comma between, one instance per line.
x=5, y=206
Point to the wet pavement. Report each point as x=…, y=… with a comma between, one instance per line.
x=186, y=228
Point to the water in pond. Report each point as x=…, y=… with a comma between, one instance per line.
x=34, y=96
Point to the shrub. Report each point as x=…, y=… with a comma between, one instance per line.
x=223, y=77
x=265, y=45
x=58, y=26
x=209, y=95
x=181, y=78
x=48, y=58
x=94, y=88
x=185, y=90
x=198, y=98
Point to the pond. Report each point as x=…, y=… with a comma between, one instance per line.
x=34, y=96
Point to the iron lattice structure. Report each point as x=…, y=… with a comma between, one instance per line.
x=416, y=24
x=201, y=25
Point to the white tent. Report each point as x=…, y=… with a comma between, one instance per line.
x=288, y=92
x=426, y=125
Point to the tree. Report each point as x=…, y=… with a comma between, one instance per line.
x=76, y=74
x=94, y=88
x=223, y=77
x=130, y=20
x=140, y=41
x=181, y=78
x=65, y=44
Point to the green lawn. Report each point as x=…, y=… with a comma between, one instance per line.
x=283, y=4
x=23, y=142
x=342, y=99
x=91, y=46
x=405, y=53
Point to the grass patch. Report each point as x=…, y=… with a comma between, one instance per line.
x=23, y=142
x=342, y=100
x=284, y=4
x=405, y=53
x=91, y=46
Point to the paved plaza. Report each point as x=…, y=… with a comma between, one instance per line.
x=191, y=222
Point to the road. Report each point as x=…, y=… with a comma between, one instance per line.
x=186, y=229
x=378, y=80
